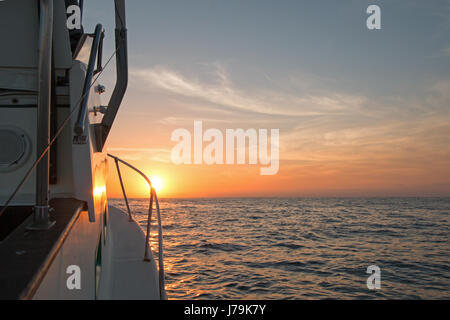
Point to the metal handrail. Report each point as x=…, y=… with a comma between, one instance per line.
x=90, y=72
x=153, y=198
x=41, y=208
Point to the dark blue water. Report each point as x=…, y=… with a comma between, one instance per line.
x=301, y=248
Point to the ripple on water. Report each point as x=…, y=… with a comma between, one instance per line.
x=303, y=248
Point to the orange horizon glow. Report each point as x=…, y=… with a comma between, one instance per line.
x=184, y=181
x=332, y=159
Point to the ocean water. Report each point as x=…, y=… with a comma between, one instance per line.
x=303, y=248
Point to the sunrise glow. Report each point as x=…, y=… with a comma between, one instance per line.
x=157, y=183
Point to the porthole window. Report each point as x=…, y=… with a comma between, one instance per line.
x=15, y=148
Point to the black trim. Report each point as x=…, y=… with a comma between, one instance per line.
x=13, y=217
x=25, y=106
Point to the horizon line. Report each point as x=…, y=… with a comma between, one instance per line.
x=287, y=197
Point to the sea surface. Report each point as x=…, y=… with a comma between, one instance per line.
x=303, y=248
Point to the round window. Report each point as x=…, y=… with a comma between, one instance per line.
x=15, y=148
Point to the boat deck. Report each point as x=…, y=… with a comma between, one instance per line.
x=128, y=277
x=12, y=218
x=27, y=255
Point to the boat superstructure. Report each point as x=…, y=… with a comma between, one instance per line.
x=59, y=238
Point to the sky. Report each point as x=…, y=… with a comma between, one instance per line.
x=360, y=112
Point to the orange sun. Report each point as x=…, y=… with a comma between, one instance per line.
x=157, y=183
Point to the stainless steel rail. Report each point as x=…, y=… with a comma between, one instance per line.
x=90, y=72
x=41, y=209
x=153, y=198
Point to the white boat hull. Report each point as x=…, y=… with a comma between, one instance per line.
x=122, y=273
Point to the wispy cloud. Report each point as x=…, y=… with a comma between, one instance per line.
x=152, y=154
x=223, y=92
x=326, y=128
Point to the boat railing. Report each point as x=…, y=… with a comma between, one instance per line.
x=95, y=55
x=153, y=198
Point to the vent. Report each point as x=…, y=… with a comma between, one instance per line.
x=14, y=148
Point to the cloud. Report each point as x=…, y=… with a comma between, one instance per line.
x=322, y=127
x=400, y=143
x=222, y=92
x=152, y=154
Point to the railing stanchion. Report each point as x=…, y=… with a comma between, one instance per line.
x=123, y=191
x=149, y=221
x=162, y=285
